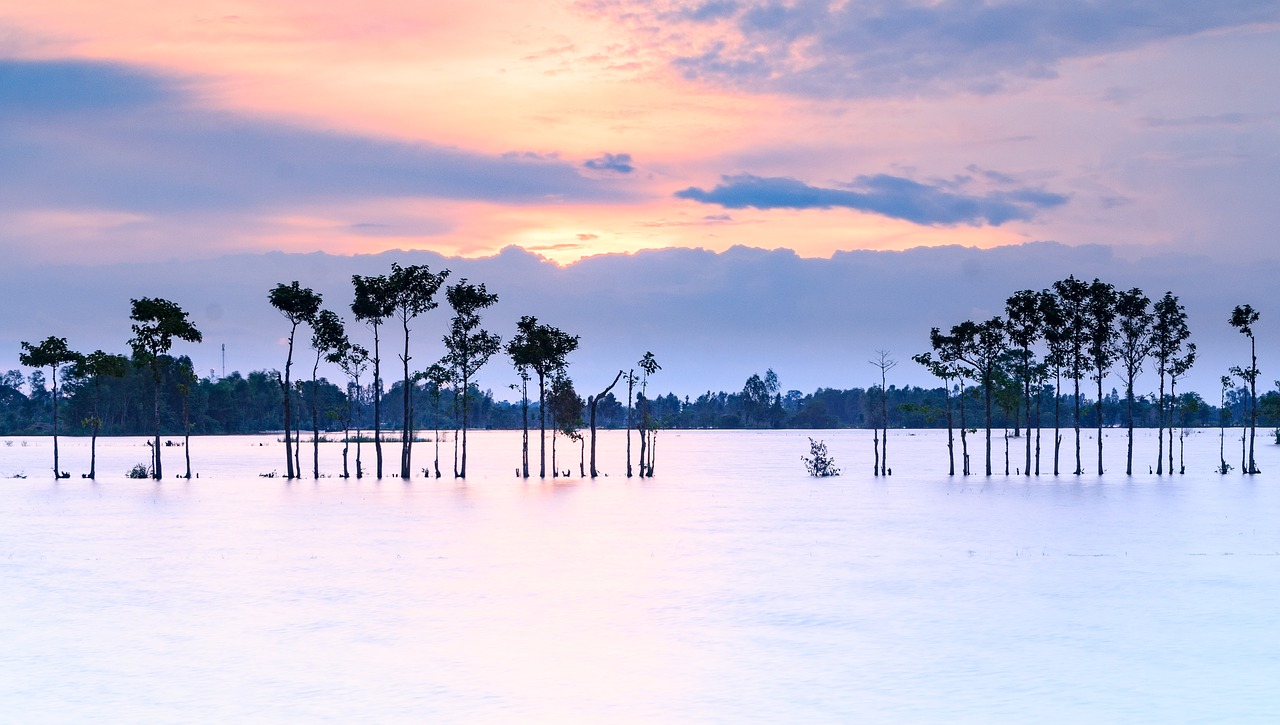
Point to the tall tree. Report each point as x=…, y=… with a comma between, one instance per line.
x=943, y=373
x=1073, y=296
x=54, y=354
x=648, y=366
x=374, y=303
x=1224, y=418
x=1169, y=332
x=544, y=350
x=298, y=305
x=328, y=338
x=187, y=379
x=156, y=323
x=93, y=368
x=468, y=347
x=1243, y=318
x=1099, y=318
x=437, y=376
x=1025, y=323
x=592, y=402
x=981, y=345
x=884, y=363
x=1057, y=338
x=1178, y=367
x=1133, y=312
x=352, y=359
x=413, y=289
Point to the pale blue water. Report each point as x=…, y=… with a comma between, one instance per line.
x=731, y=588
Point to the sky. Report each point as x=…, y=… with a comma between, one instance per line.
x=197, y=131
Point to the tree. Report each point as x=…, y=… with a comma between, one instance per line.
x=352, y=359
x=436, y=377
x=1099, y=319
x=543, y=349
x=1178, y=367
x=981, y=345
x=648, y=366
x=413, y=289
x=1073, y=296
x=1057, y=338
x=819, y=463
x=566, y=413
x=93, y=368
x=54, y=354
x=298, y=305
x=468, y=347
x=186, y=375
x=1025, y=321
x=328, y=338
x=592, y=402
x=156, y=323
x=374, y=303
x=1224, y=418
x=943, y=373
x=884, y=364
x=1243, y=318
x=1169, y=333
x=1133, y=312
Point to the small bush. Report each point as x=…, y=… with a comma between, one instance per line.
x=818, y=462
x=139, y=470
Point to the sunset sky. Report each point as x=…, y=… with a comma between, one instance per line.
x=186, y=130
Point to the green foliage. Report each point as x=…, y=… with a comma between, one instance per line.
x=139, y=470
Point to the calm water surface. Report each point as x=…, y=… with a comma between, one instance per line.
x=731, y=588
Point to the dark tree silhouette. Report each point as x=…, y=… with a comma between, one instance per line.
x=566, y=407
x=93, y=368
x=328, y=338
x=156, y=322
x=1243, y=318
x=186, y=375
x=374, y=302
x=1073, y=296
x=543, y=349
x=1134, y=345
x=884, y=363
x=1178, y=367
x=437, y=376
x=1224, y=418
x=1099, y=320
x=592, y=401
x=352, y=359
x=1169, y=333
x=1025, y=327
x=413, y=289
x=648, y=366
x=1058, y=341
x=54, y=354
x=298, y=305
x=943, y=373
x=981, y=345
x=468, y=347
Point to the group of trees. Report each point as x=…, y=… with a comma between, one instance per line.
x=1077, y=332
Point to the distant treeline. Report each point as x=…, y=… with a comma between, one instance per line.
x=241, y=404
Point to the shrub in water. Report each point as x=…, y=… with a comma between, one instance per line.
x=818, y=462
x=139, y=470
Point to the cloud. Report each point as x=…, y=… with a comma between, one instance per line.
x=105, y=136
x=620, y=163
x=872, y=48
x=890, y=196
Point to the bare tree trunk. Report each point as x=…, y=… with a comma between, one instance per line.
x=592, y=401
x=1099, y=422
x=377, y=403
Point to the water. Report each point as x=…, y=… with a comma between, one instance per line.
x=731, y=588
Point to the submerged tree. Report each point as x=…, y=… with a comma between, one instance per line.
x=943, y=373
x=54, y=354
x=819, y=463
x=186, y=379
x=413, y=290
x=1169, y=333
x=981, y=345
x=93, y=368
x=328, y=338
x=374, y=302
x=884, y=363
x=648, y=366
x=1178, y=367
x=542, y=349
x=156, y=323
x=1133, y=312
x=352, y=359
x=1058, y=341
x=1099, y=318
x=1224, y=419
x=468, y=347
x=298, y=305
x=1243, y=318
x=1025, y=322
x=592, y=402
x=1073, y=296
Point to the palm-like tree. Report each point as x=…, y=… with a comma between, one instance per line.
x=468, y=347
x=156, y=323
x=298, y=305
x=1134, y=318
x=54, y=354
x=374, y=303
x=1243, y=318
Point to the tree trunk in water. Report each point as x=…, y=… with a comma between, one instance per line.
x=951, y=450
x=57, y=470
x=987, y=395
x=377, y=405
x=1160, y=426
x=630, y=383
x=1076, y=422
x=1099, y=422
x=1253, y=403
x=542, y=426
x=1057, y=421
x=964, y=434
x=1128, y=466
x=156, y=445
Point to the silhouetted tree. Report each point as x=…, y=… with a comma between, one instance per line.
x=648, y=366
x=54, y=354
x=327, y=338
x=1224, y=418
x=298, y=305
x=1073, y=296
x=884, y=364
x=413, y=289
x=943, y=373
x=186, y=375
x=592, y=402
x=544, y=350
x=352, y=359
x=1058, y=341
x=1178, y=367
x=1099, y=320
x=374, y=302
x=566, y=414
x=1133, y=312
x=156, y=322
x=981, y=345
x=1025, y=322
x=93, y=368
x=1169, y=333
x=1243, y=318
x=436, y=377
x=468, y=347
